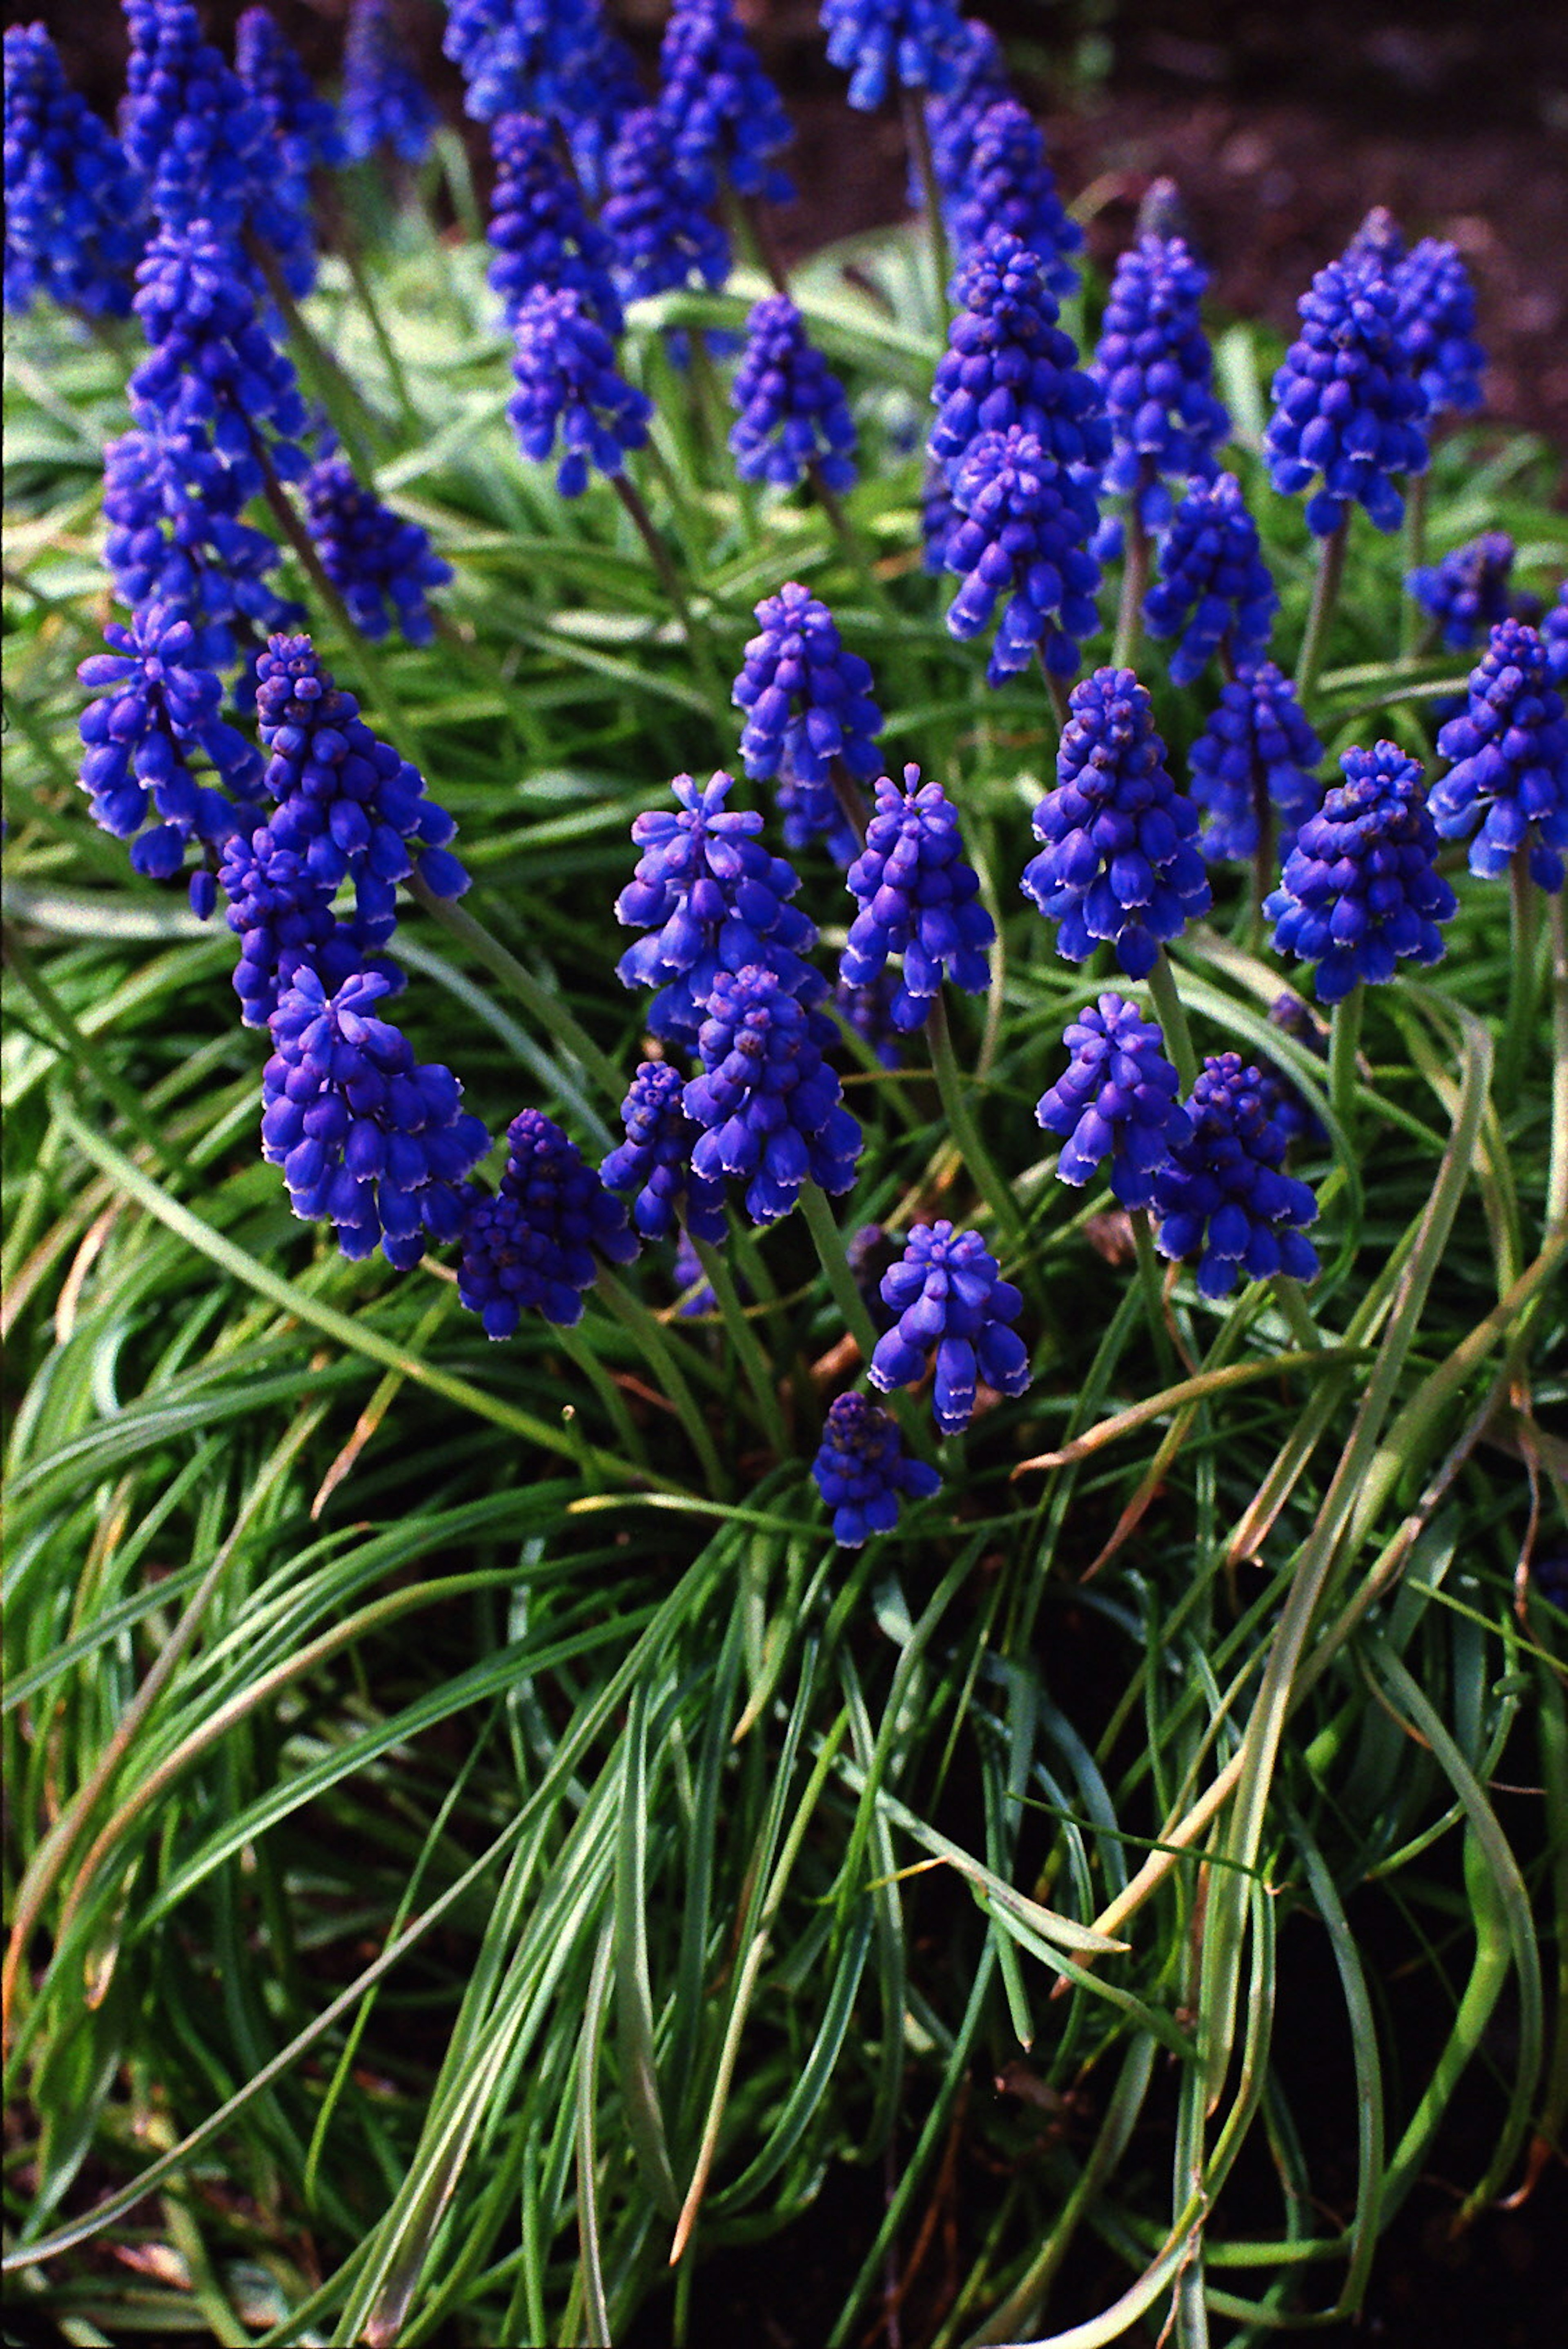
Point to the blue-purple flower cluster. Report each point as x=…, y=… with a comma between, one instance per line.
x=385, y=103
x=532, y=1245
x=1117, y=1099
x=1008, y=188
x=793, y=416
x=918, y=899
x=1509, y=750
x=769, y=1103
x=862, y=1473
x=949, y=1295
x=1223, y=1197
x=74, y=221
x=1213, y=594
x=568, y=389
x=724, y=117
x=1466, y=592
x=1156, y=370
x=655, y=1160
x=808, y=704
x=1349, y=406
x=1255, y=754
x=1360, y=892
x=381, y=565
x=878, y=43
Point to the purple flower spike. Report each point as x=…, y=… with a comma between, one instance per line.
x=382, y=567
x=953, y=116
x=1024, y=533
x=304, y=127
x=722, y=113
x=918, y=899
x=913, y=43
x=712, y=900
x=1466, y=592
x=1347, y=404
x=948, y=1292
x=533, y=1247
x=366, y=1137
x=75, y=224
x=808, y=702
x=1255, y=747
x=568, y=385
x=1223, y=1197
x=281, y=912
x=793, y=411
x=1120, y=860
x=539, y=232
x=1009, y=363
x=385, y=104
x=861, y=1470
x=1117, y=1100
x=512, y=53
x=1435, y=313
x=655, y=1160
x=1360, y=892
x=660, y=235
x=1509, y=750
x=1214, y=591
x=767, y=1100
x=1156, y=370
x=1009, y=187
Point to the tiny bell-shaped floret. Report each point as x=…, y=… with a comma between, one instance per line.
x=1360, y=892
x=1222, y=1196
x=1213, y=593
x=861, y=1470
x=948, y=1292
x=655, y=1160
x=1509, y=748
x=918, y=899
x=1117, y=1099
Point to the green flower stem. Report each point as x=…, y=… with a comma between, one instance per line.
x=1343, y=1041
x=1414, y=623
x=352, y=417
x=847, y=1296
x=1151, y=1282
x=1135, y=583
x=1172, y=1018
x=744, y=219
x=917, y=129
x=1326, y=595
x=540, y=1001
x=636, y=1318
x=747, y=1346
x=1056, y=694
x=697, y=639
x=1293, y=1305
x=1557, y=1165
x=391, y=360
x=851, y=799
x=1524, y=909
x=993, y=1186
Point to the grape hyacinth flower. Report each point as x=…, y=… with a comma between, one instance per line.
x=861, y=1470
x=532, y=1245
x=590, y=99
x=567, y=384
x=1347, y=404
x=793, y=416
x=655, y=1160
x=75, y=225
x=767, y=1100
x=1466, y=592
x=510, y=53
x=948, y=1292
x=1223, y=1197
x=918, y=900
x=869, y=1011
x=1009, y=363
x=1025, y=523
x=159, y=712
x=914, y=43
x=1509, y=748
x=1120, y=859
x=1009, y=188
x=1555, y=637
x=1116, y=1100
x=303, y=127
x=1360, y=892
x=659, y=234
x=1283, y=1099
x=348, y=803
x=382, y=566
x=539, y=232
x=1156, y=372
x=281, y=912
x=1256, y=751
x=711, y=898
x=807, y=703
x=385, y=104
x=1434, y=317
x=367, y=1138
x=1214, y=593
x=953, y=116
x=174, y=537
x=724, y=117
x=939, y=517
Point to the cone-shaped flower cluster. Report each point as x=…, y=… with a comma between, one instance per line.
x=281, y=912
x=539, y=232
x=532, y=1248
x=722, y=113
x=918, y=899
x=1025, y=522
x=953, y=116
x=1360, y=891
x=385, y=103
x=767, y=1100
x=712, y=900
x=382, y=566
x=175, y=538
x=1255, y=747
x=1466, y=592
x=1008, y=362
x=159, y=712
x=861, y=1470
x=659, y=234
x=655, y=1159
x=1009, y=187
x=1117, y=1100
x=808, y=702
x=304, y=128
x=793, y=411
x=1347, y=404
x=1155, y=370
x=349, y=805
x=591, y=98
x=74, y=222
x=1509, y=748
x=1435, y=312
x=1214, y=588
x=367, y=1138
x=948, y=1292
x=1223, y=1197
x=567, y=384
x=511, y=53
x=880, y=44
x=1120, y=860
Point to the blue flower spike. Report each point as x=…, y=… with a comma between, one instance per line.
x=724, y=117
x=1025, y=521
x=382, y=566
x=512, y=55
x=861, y=1470
x=1156, y=370
x=655, y=1160
x=535, y=1245
x=1120, y=859
x=887, y=43
x=918, y=899
x=385, y=104
x=568, y=389
x=1213, y=594
x=767, y=1100
x=793, y=416
x=1008, y=187
x=1349, y=409
x=1466, y=593
x=1507, y=789
x=948, y=1293
x=540, y=232
x=1008, y=362
x=659, y=234
x=1223, y=1197
x=1116, y=1100
x=1360, y=892
x=75, y=224
x=1252, y=766
x=808, y=705
x=1435, y=312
